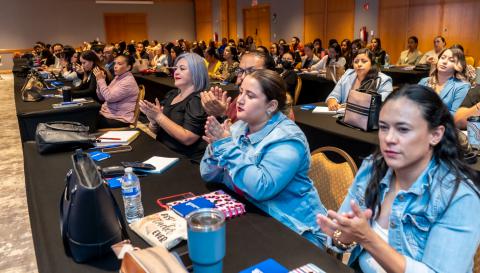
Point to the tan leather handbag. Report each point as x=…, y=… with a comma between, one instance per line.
x=151, y=260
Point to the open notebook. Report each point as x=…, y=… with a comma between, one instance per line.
x=113, y=138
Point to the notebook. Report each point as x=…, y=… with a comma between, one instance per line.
x=113, y=138
x=267, y=266
x=183, y=209
x=161, y=164
x=223, y=201
x=308, y=268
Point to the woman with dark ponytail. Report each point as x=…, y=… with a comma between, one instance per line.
x=410, y=206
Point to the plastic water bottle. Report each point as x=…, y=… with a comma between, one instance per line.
x=132, y=196
x=387, y=61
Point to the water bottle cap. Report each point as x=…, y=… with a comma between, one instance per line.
x=129, y=170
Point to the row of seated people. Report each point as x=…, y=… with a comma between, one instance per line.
x=407, y=207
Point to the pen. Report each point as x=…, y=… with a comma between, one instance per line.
x=109, y=138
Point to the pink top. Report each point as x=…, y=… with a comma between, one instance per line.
x=120, y=97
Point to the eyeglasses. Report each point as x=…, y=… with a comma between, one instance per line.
x=240, y=71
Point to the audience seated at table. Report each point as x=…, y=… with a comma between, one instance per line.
x=309, y=58
x=175, y=51
x=57, y=54
x=431, y=57
x=318, y=49
x=411, y=205
x=378, y=52
x=217, y=103
x=88, y=86
x=109, y=55
x=449, y=78
x=412, y=55
x=120, y=96
x=333, y=58
x=212, y=61
x=346, y=49
x=160, y=59
x=226, y=71
x=179, y=122
x=297, y=48
x=265, y=156
x=275, y=52
x=470, y=72
x=68, y=62
x=364, y=69
x=357, y=44
x=140, y=52
x=470, y=107
x=288, y=74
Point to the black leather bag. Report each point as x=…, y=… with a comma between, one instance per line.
x=90, y=219
x=363, y=106
x=62, y=136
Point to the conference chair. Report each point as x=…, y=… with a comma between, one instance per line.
x=133, y=125
x=298, y=88
x=332, y=180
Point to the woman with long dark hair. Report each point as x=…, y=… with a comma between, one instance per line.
x=226, y=72
x=88, y=87
x=376, y=48
x=449, y=78
x=364, y=69
x=410, y=207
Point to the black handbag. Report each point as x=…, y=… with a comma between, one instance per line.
x=363, y=106
x=90, y=219
x=59, y=136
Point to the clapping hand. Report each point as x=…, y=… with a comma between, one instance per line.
x=152, y=111
x=99, y=74
x=215, y=131
x=353, y=225
x=215, y=101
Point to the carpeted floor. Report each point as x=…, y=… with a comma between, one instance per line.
x=16, y=246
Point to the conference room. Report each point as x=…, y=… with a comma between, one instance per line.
x=240, y=136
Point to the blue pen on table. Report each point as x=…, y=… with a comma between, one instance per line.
x=69, y=102
x=103, y=147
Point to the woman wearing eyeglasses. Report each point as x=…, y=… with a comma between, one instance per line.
x=179, y=122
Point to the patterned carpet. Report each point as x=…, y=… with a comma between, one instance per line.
x=16, y=246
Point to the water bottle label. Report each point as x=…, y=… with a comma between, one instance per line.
x=130, y=191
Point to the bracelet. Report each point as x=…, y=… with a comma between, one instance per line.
x=340, y=244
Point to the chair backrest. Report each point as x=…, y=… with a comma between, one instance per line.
x=476, y=262
x=470, y=60
x=331, y=179
x=136, y=114
x=298, y=88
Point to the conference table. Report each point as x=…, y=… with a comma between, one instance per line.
x=30, y=114
x=401, y=76
x=251, y=238
x=324, y=130
x=315, y=88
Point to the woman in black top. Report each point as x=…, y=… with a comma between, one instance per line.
x=88, y=86
x=287, y=74
x=378, y=52
x=180, y=122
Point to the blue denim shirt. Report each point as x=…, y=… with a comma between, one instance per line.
x=271, y=168
x=345, y=84
x=453, y=92
x=432, y=237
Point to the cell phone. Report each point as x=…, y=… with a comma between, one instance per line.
x=138, y=165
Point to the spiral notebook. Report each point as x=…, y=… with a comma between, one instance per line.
x=223, y=201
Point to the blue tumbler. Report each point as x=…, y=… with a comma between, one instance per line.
x=206, y=240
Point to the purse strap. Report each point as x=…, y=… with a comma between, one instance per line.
x=64, y=222
x=370, y=86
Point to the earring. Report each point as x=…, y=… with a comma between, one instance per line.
x=269, y=113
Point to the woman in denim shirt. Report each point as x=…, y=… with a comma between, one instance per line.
x=410, y=206
x=449, y=79
x=265, y=156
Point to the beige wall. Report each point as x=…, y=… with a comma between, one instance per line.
x=23, y=22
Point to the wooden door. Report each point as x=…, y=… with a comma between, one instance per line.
x=125, y=26
x=256, y=23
